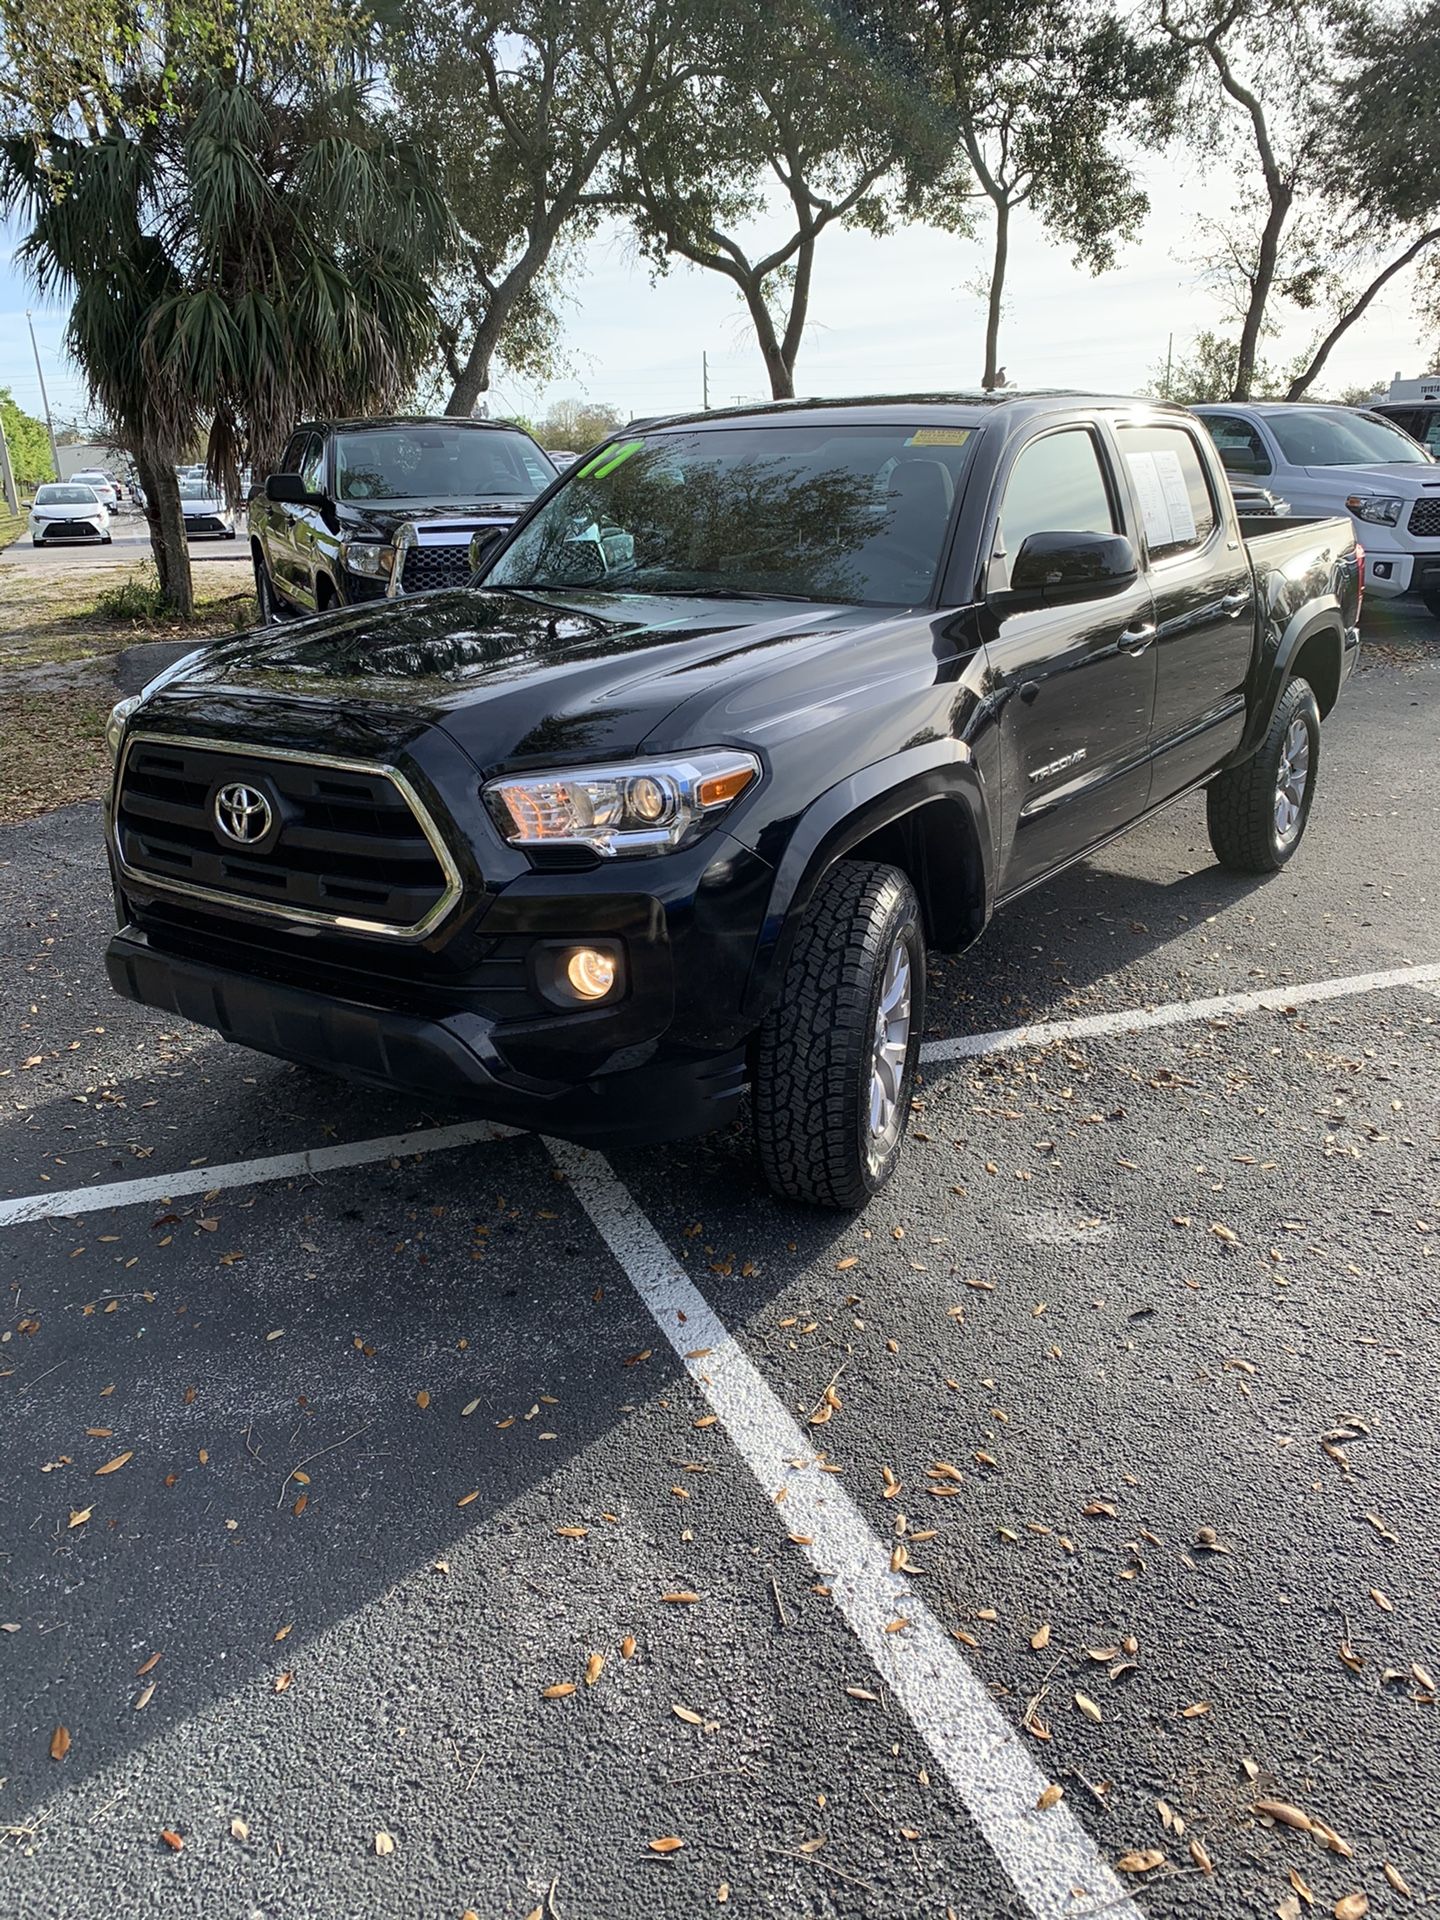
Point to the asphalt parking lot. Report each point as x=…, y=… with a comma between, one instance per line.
x=462, y=1523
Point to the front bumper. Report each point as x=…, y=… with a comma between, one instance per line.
x=457, y=1058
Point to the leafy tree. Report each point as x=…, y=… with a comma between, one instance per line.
x=1048, y=97
x=577, y=424
x=524, y=102
x=796, y=120
x=1206, y=371
x=1311, y=100
x=242, y=237
x=28, y=441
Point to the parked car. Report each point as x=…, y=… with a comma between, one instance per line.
x=747, y=713
x=68, y=510
x=1419, y=418
x=362, y=510
x=101, y=483
x=1344, y=460
x=207, y=513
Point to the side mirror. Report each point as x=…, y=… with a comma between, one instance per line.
x=290, y=490
x=1054, y=566
x=483, y=543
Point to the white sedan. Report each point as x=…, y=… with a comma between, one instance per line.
x=68, y=510
x=101, y=483
x=206, y=513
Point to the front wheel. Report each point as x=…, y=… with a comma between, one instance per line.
x=837, y=1052
x=1432, y=604
x=1257, y=812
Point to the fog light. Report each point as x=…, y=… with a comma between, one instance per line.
x=590, y=972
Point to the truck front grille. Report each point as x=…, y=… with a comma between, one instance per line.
x=1425, y=518
x=427, y=567
x=346, y=846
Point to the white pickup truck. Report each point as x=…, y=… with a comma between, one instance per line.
x=1344, y=460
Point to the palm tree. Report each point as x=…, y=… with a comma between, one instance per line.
x=243, y=238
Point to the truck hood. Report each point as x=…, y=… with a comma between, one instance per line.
x=514, y=679
x=1408, y=480
x=382, y=519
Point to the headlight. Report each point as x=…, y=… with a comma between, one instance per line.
x=647, y=806
x=1383, y=509
x=363, y=556
x=115, y=725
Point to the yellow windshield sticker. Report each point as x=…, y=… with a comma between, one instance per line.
x=939, y=436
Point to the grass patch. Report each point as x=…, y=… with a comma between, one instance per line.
x=12, y=525
x=54, y=751
x=138, y=597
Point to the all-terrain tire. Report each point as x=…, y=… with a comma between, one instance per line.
x=817, y=1055
x=267, y=607
x=1241, y=804
x=1432, y=604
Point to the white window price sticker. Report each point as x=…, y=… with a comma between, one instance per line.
x=1177, y=497
x=1151, y=495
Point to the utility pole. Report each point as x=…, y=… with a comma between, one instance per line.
x=7, y=472
x=44, y=396
x=705, y=378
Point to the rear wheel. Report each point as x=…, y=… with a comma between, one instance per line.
x=1257, y=812
x=267, y=607
x=837, y=1053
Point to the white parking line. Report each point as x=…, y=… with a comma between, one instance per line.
x=1176, y=1013
x=1049, y=1858
x=73, y=1201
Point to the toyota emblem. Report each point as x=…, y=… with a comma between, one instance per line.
x=242, y=813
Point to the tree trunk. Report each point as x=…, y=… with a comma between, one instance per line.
x=475, y=374
x=1260, y=286
x=779, y=367
x=166, y=520
x=998, y=263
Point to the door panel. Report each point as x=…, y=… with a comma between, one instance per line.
x=1075, y=726
x=1204, y=601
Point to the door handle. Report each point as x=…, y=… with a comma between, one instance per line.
x=1233, y=602
x=1136, y=639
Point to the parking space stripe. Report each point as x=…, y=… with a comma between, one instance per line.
x=72, y=1201
x=1050, y=1859
x=1173, y=1014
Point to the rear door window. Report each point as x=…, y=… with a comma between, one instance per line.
x=1167, y=478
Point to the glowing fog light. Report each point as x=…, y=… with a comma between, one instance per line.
x=590, y=972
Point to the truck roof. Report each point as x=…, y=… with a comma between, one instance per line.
x=381, y=421
x=960, y=408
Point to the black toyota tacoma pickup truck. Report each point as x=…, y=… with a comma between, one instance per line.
x=746, y=713
x=363, y=510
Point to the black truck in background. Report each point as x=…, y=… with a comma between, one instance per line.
x=363, y=510
x=744, y=715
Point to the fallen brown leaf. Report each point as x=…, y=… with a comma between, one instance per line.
x=113, y=1466
x=59, y=1743
x=173, y=1840
x=561, y=1690
x=669, y=1844
x=1144, y=1862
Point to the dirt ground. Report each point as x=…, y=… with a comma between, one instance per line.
x=61, y=639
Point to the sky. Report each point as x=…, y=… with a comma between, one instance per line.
x=897, y=314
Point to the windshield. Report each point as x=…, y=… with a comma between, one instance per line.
x=197, y=490
x=65, y=496
x=855, y=514
x=1328, y=437
x=439, y=462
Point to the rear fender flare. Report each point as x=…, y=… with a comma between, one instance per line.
x=1323, y=625
x=942, y=772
